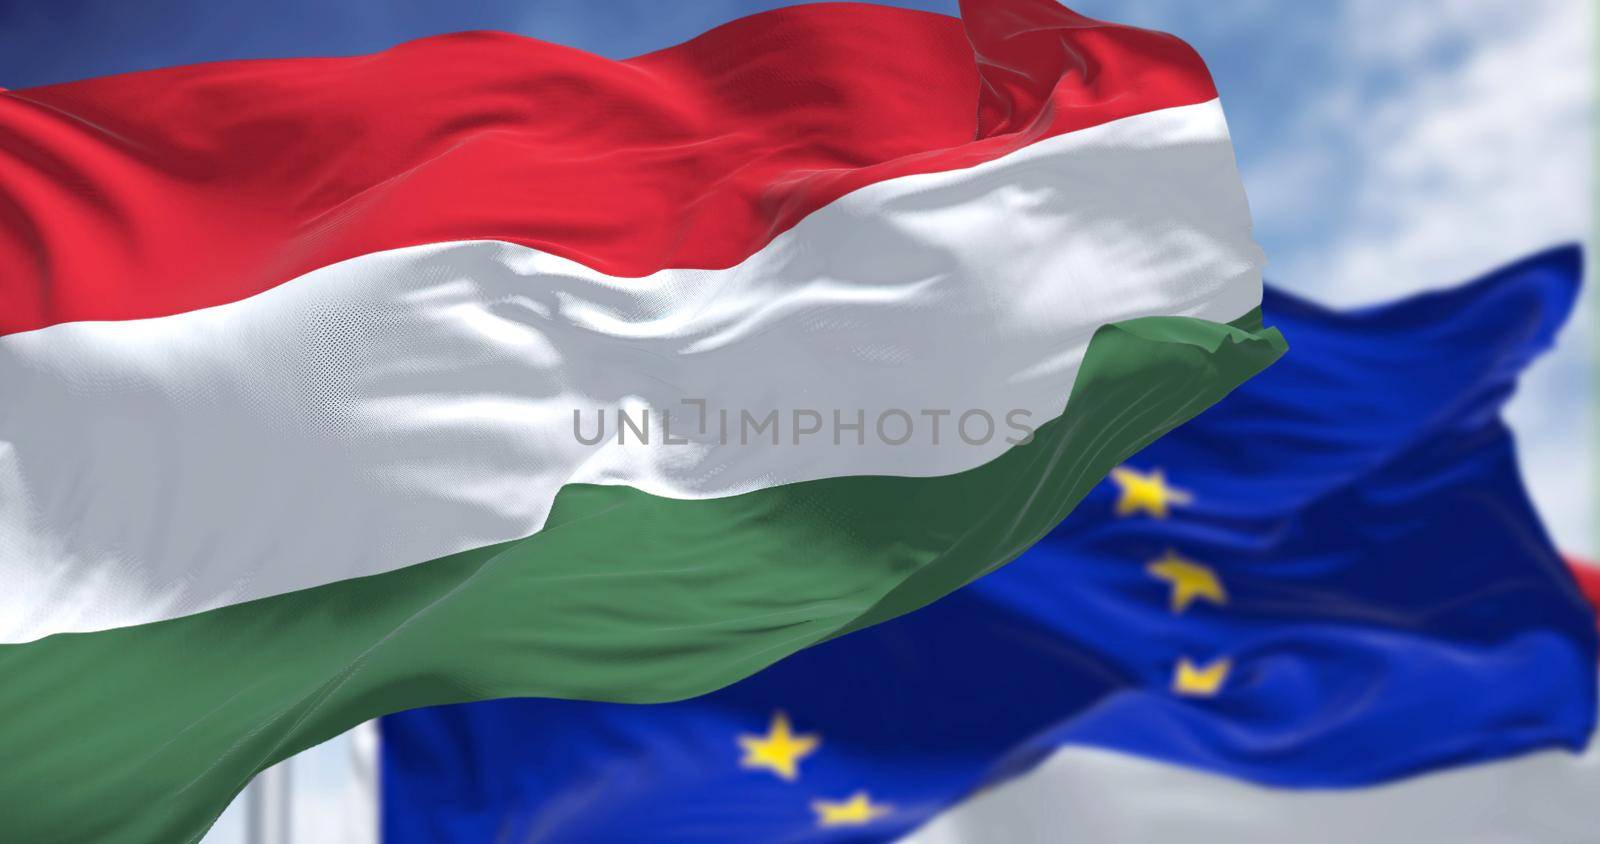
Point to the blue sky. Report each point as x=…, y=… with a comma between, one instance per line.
x=1386, y=147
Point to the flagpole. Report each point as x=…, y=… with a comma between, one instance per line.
x=1589, y=273
x=268, y=807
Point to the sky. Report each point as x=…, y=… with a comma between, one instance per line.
x=1386, y=147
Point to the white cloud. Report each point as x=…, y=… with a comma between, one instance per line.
x=1477, y=153
x=1459, y=138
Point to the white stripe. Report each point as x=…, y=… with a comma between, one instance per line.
x=1079, y=794
x=405, y=405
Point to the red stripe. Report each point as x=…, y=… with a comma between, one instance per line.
x=1588, y=580
x=155, y=193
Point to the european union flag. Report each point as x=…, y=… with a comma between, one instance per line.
x=1332, y=578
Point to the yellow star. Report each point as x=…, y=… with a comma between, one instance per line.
x=859, y=810
x=780, y=750
x=1190, y=580
x=1191, y=680
x=1147, y=492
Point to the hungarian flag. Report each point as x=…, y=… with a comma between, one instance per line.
x=485, y=367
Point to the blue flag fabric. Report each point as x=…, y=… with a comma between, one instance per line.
x=1331, y=578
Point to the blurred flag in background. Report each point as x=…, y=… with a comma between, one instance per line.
x=1333, y=579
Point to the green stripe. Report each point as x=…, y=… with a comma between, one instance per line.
x=145, y=734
